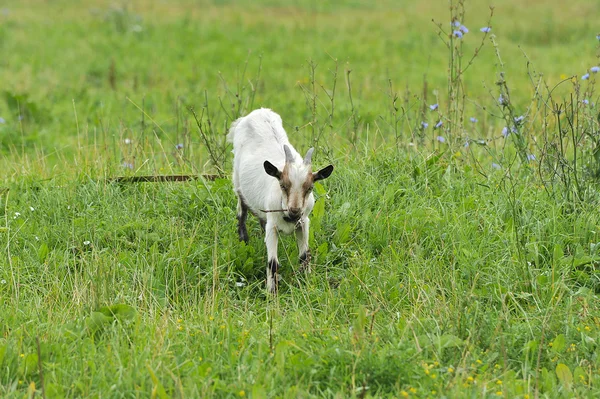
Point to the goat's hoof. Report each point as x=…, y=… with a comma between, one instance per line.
x=305, y=262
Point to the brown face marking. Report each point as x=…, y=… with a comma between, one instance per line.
x=308, y=184
x=285, y=182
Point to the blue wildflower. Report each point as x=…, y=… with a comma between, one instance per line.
x=466, y=144
x=424, y=125
x=440, y=139
x=2, y=120
x=505, y=132
x=127, y=165
x=474, y=120
x=179, y=146
x=456, y=23
x=585, y=101
x=433, y=107
x=531, y=157
x=502, y=100
x=595, y=69
x=485, y=29
x=438, y=125
x=496, y=166
x=519, y=119
x=458, y=34
x=585, y=77
x=463, y=29
x=598, y=36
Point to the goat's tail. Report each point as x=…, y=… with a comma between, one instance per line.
x=231, y=133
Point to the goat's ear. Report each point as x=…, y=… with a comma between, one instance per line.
x=323, y=173
x=272, y=170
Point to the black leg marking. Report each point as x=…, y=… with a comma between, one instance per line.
x=273, y=267
x=305, y=261
x=242, y=232
x=263, y=224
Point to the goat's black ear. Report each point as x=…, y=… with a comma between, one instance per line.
x=323, y=173
x=272, y=170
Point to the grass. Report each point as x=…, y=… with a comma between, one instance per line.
x=439, y=269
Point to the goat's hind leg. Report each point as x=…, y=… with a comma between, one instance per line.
x=242, y=215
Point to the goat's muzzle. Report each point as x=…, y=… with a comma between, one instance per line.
x=293, y=215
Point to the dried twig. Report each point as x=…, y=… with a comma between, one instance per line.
x=158, y=178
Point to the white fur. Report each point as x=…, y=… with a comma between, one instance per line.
x=256, y=138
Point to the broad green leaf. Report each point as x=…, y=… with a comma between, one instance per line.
x=29, y=364
x=259, y=392
x=548, y=380
x=318, y=210
x=121, y=311
x=564, y=375
x=559, y=343
x=542, y=280
x=342, y=234
x=579, y=375
x=449, y=341
x=157, y=389
x=319, y=189
x=558, y=254
x=3, y=353
x=43, y=252
x=97, y=321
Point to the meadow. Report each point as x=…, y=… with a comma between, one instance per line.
x=456, y=246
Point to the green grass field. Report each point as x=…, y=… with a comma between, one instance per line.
x=456, y=260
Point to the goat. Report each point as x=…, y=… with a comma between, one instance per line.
x=274, y=183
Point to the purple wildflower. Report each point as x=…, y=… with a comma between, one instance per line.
x=433, y=107
x=438, y=125
x=179, y=146
x=457, y=23
x=424, y=125
x=519, y=119
x=473, y=119
x=496, y=166
x=585, y=77
x=463, y=29
x=440, y=139
x=466, y=144
x=458, y=34
x=2, y=120
x=598, y=36
x=531, y=157
x=502, y=100
x=505, y=132
x=585, y=101
x=127, y=165
x=485, y=29
x=595, y=69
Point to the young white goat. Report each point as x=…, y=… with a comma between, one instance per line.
x=273, y=182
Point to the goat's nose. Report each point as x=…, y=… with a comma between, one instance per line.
x=294, y=211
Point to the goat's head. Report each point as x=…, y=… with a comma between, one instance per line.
x=296, y=181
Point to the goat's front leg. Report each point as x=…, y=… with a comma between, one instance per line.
x=273, y=263
x=302, y=241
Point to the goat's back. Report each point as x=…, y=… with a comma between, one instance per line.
x=258, y=137
x=260, y=129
